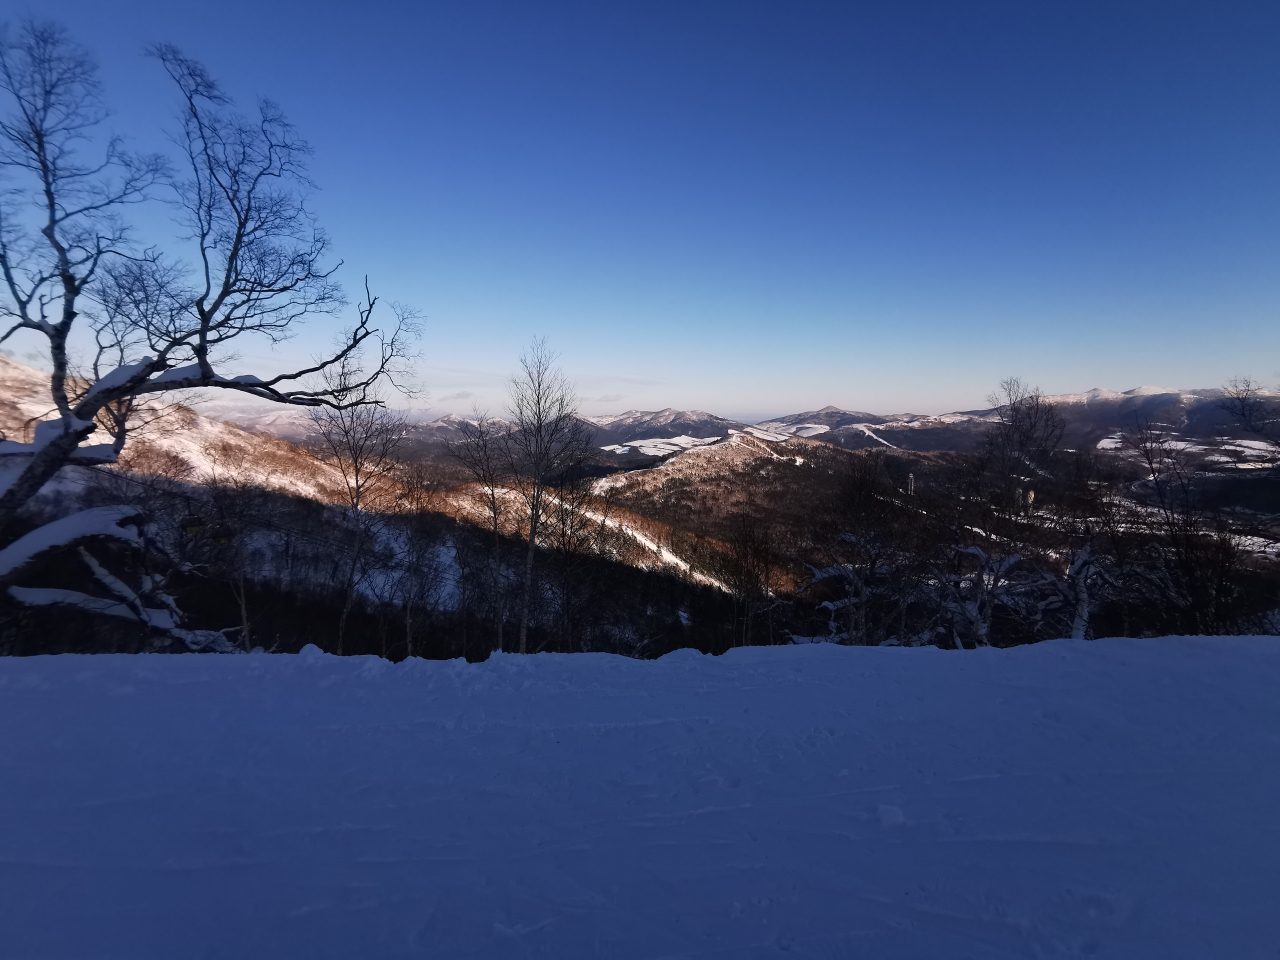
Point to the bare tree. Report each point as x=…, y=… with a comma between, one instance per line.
x=65, y=253
x=1083, y=515
x=361, y=443
x=417, y=585
x=1197, y=555
x=747, y=569
x=421, y=583
x=1019, y=446
x=874, y=550
x=1253, y=411
x=227, y=540
x=61, y=220
x=577, y=532
x=482, y=453
x=413, y=578
x=547, y=444
x=986, y=562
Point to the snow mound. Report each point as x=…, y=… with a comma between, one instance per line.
x=1112, y=799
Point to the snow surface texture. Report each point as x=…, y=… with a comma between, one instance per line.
x=1070, y=799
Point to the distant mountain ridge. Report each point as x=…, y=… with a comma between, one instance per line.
x=1090, y=418
x=649, y=435
x=671, y=422
x=639, y=439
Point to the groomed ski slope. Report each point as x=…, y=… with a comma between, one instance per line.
x=1111, y=799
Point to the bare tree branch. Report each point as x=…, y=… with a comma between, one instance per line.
x=1254, y=413
x=545, y=447
x=260, y=259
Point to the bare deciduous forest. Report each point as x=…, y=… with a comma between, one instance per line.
x=519, y=534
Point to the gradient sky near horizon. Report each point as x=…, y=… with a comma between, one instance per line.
x=758, y=208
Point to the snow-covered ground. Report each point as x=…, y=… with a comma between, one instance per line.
x=1107, y=799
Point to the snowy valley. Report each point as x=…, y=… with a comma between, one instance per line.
x=684, y=529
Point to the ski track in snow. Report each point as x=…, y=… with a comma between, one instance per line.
x=648, y=543
x=666, y=556
x=663, y=554
x=1113, y=799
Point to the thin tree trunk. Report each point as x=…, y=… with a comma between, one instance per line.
x=528, y=589
x=495, y=569
x=408, y=627
x=243, y=600
x=342, y=624
x=348, y=602
x=1080, y=623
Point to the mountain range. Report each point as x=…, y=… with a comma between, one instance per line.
x=639, y=438
x=1091, y=419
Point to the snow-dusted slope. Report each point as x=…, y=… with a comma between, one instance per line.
x=649, y=539
x=711, y=460
x=1113, y=799
x=196, y=448
x=177, y=441
x=24, y=396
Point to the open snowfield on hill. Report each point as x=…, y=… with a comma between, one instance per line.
x=1108, y=799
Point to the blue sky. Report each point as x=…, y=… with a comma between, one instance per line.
x=761, y=208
